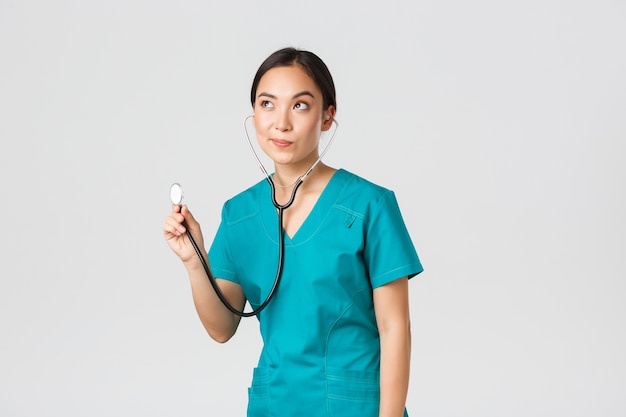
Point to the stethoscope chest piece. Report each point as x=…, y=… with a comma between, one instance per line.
x=176, y=194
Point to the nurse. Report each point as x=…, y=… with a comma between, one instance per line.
x=336, y=336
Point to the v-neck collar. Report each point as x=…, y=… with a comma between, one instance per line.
x=312, y=221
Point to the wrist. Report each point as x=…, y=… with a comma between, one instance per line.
x=193, y=264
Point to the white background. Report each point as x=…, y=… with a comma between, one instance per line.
x=500, y=126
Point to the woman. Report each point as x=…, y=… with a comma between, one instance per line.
x=336, y=336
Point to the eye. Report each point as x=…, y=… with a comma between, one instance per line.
x=267, y=104
x=300, y=106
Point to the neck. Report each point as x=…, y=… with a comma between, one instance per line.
x=287, y=176
x=285, y=180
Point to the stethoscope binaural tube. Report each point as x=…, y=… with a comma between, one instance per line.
x=303, y=176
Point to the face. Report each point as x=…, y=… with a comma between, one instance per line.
x=289, y=116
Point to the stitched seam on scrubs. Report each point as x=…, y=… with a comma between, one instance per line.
x=360, y=399
x=347, y=210
x=242, y=219
x=391, y=272
x=233, y=277
x=314, y=233
x=361, y=381
x=330, y=329
x=321, y=223
x=354, y=375
x=412, y=268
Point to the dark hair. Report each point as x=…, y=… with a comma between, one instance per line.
x=310, y=63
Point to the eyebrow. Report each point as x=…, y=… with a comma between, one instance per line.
x=300, y=94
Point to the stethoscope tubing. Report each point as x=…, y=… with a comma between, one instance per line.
x=281, y=257
x=281, y=231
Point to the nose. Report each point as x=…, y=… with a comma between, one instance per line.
x=283, y=120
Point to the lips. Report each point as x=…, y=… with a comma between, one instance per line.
x=281, y=143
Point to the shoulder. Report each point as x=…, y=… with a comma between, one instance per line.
x=359, y=191
x=245, y=204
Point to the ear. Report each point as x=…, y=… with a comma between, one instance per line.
x=327, y=118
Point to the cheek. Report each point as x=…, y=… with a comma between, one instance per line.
x=259, y=122
x=310, y=123
x=315, y=126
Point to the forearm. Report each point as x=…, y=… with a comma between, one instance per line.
x=219, y=322
x=395, y=344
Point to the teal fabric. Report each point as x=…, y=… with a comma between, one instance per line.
x=321, y=351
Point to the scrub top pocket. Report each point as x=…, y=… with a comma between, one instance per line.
x=258, y=393
x=352, y=393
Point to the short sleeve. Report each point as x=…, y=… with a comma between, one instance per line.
x=220, y=260
x=389, y=251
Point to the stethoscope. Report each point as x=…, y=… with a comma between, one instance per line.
x=176, y=196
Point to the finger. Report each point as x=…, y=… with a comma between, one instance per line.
x=176, y=213
x=170, y=231
x=174, y=225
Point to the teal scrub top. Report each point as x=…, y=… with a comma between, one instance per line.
x=321, y=348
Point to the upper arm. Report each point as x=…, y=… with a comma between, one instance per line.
x=233, y=293
x=235, y=296
x=391, y=304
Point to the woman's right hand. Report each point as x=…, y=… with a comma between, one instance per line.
x=176, y=236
